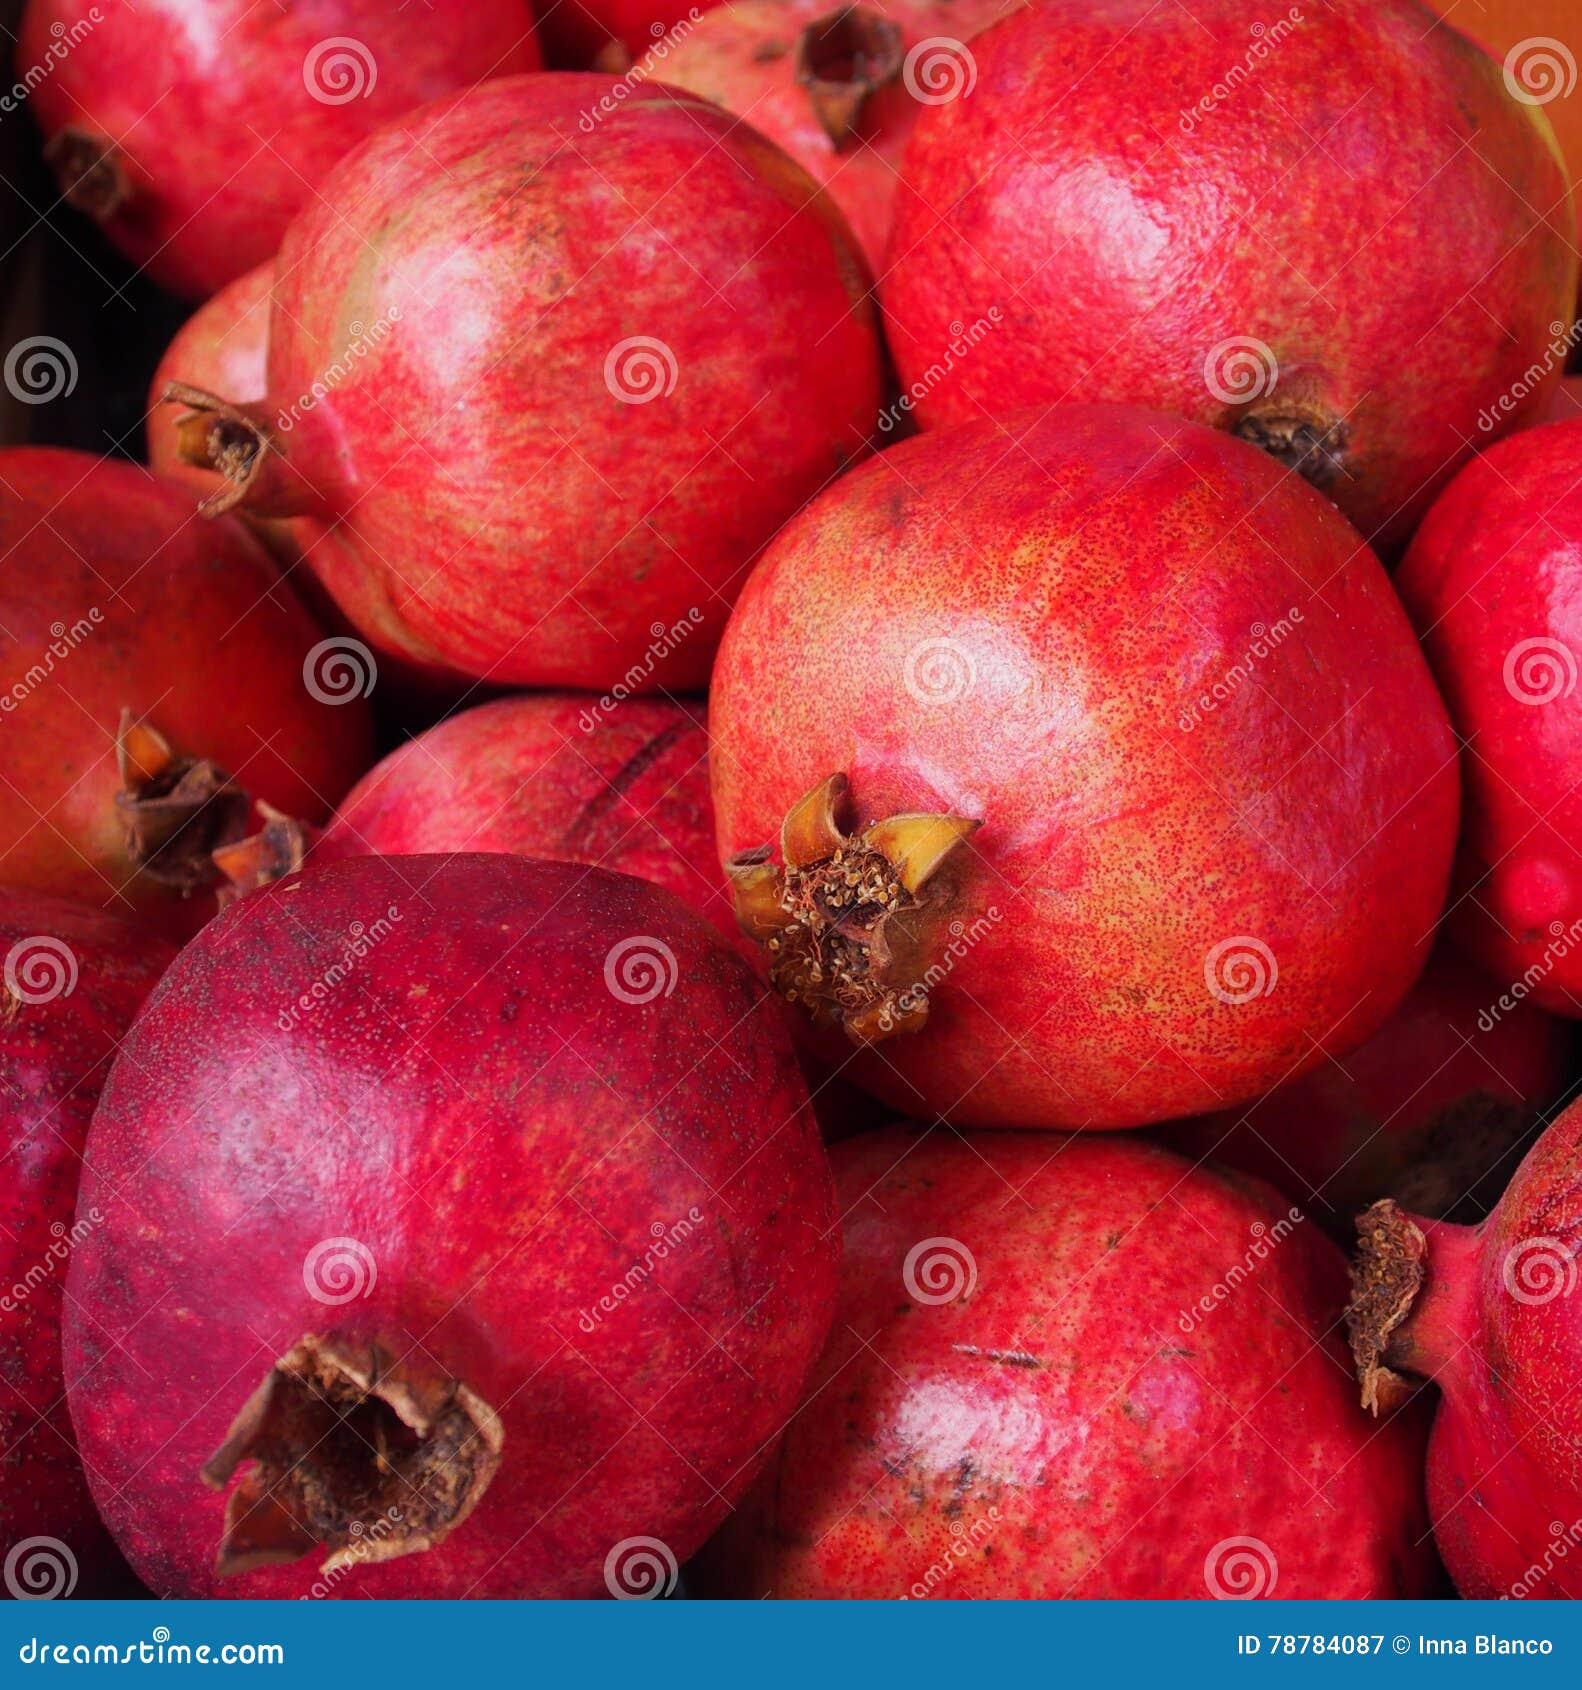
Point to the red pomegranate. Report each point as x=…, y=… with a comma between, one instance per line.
x=1096, y=742
x=496, y=1189
x=1340, y=236
x=1083, y=1370
x=837, y=86
x=153, y=674
x=1490, y=1314
x=71, y=979
x=1432, y=1110
x=611, y=33
x=193, y=131
x=659, y=339
x=1493, y=581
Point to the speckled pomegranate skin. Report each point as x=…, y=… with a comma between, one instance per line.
x=605, y=353
x=553, y=775
x=1012, y=622
x=1088, y=1419
x=1160, y=204
x=232, y=114
x=81, y=975
x=1432, y=1110
x=505, y=1136
x=1496, y=1328
x=116, y=594
x=742, y=56
x=1493, y=582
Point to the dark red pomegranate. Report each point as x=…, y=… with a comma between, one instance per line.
x=1492, y=581
x=494, y=1182
x=71, y=979
x=838, y=86
x=154, y=673
x=1340, y=236
x=1078, y=1369
x=193, y=131
x=1099, y=745
x=1491, y=1314
x=1433, y=1110
x=658, y=337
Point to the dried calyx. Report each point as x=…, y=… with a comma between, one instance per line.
x=277, y=849
x=851, y=921
x=177, y=810
x=239, y=444
x=1386, y=1276
x=1308, y=441
x=90, y=172
x=349, y=1449
x=841, y=59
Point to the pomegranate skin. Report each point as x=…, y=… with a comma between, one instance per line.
x=1432, y=1110
x=1153, y=919
x=227, y=116
x=1495, y=1326
x=556, y=776
x=1493, y=583
x=743, y=56
x=74, y=978
x=480, y=1020
x=1096, y=1416
x=580, y=33
x=1400, y=276
x=116, y=596
x=626, y=452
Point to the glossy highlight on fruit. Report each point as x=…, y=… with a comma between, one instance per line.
x=1013, y=754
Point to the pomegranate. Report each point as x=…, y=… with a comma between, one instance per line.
x=1099, y=745
x=1433, y=1110
x=1340, y=236
x=153, y=672
x=71, y=980
x=661, y=344
x=1083, y=1370
x=1490, y=1314
x=1492, y=581
x=497, y=1180
x=609, y=34
x=837, y=86
x=193, y=131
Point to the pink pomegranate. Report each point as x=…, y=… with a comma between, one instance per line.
x=470, y=1230
x=1339, y=235
x=193, y=131
x=154, y=674
x=71, y=979
x=659, y=340
x=1089, y=762
x=838, y=86
x=1489, y=1314
x=1433, y=1110
x=1083, y=1370
x=1492, y=582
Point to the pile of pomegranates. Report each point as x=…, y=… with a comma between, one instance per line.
x=758, y=792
